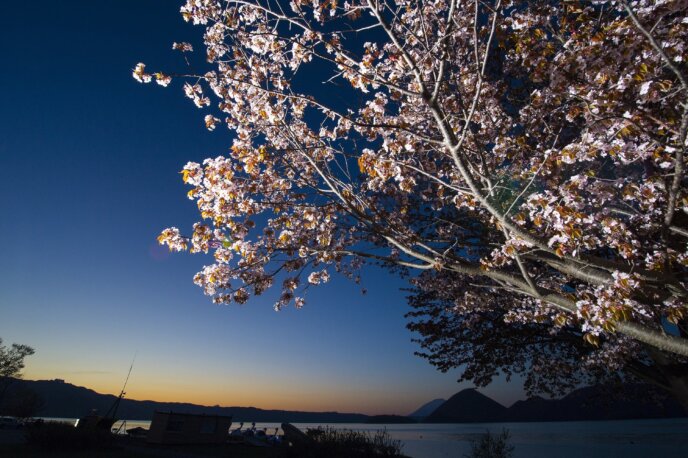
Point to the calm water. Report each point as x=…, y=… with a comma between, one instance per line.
x=602, y=439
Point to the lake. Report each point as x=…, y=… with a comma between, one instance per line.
x=666, y=438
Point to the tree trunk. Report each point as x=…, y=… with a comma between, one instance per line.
x=5, y=383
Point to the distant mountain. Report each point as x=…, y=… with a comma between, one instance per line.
x=467, y=406
x=632, y=401
x=595, y=403
x=65, y=400
x=426, y=409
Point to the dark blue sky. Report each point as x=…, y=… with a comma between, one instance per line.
x=91, y=162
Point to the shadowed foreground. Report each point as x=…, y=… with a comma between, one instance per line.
x=59, y=440
x=12, y=444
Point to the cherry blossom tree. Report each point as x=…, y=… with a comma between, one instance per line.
x=527, y=157
x=485, y=342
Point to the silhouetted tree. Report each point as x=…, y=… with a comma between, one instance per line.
x=11, y=364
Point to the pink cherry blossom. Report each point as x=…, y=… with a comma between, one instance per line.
x=528, y=157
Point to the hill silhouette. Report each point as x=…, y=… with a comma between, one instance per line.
x=595, y=403
x=467, y=406
x=633, y=401
x=65, y=400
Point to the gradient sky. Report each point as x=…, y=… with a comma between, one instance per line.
x=90, y=162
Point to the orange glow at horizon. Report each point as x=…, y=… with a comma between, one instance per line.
x=267, y=395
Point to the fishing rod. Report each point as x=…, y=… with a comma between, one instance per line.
x=113, y=409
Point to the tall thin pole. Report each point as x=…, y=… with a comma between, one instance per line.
x=113, y=410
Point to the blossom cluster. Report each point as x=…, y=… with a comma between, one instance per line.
x=535, y=148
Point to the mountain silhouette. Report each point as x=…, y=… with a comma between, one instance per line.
x=631, y=401
x=64, y=400
x=427, y=408
x=597, y=403
x=467, y=406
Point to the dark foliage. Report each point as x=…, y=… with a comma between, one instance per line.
x=333, y=443
x=491, y=446
x=483, y=345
